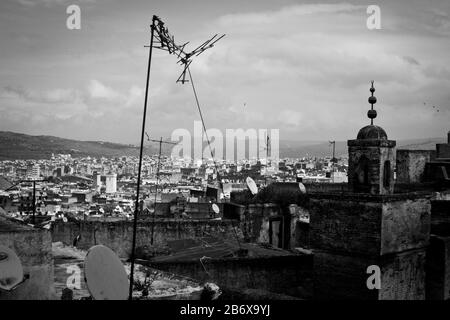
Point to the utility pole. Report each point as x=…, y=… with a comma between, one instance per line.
x=34, y=196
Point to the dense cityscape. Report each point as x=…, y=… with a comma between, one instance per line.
x=91, y=187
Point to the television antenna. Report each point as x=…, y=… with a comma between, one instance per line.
x=165, y=41
x=161, y=39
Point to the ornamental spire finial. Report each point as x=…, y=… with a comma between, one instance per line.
x=372, y=114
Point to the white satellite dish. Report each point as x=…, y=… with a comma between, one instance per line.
x=302, y=187
x=64, y=219
x=185, y=215
x=105, y=275
x=11, y=270
x=251, y=185
x=215, y=208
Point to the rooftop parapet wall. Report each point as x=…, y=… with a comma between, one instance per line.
x=289, y=274
x=118, y=235
x=326, y=187
x=34, y=249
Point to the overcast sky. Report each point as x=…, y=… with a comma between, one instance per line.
x=299, y=66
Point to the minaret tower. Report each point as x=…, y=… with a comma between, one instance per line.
x=371, y=157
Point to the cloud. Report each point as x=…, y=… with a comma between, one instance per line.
x=49, y=96
x=97, y=89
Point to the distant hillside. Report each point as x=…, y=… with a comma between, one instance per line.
x=420, y=144
x=22, y=146
x=294, y=149
x=299, y=149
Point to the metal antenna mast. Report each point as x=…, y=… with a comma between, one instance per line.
x=160, y=141
x=161, y=39
x=333, y=159
x=133, y=245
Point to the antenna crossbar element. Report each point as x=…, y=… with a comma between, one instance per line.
x=165, y=41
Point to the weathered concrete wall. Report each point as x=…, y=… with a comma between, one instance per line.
x=350, y=232
x=118, y=235
x=365, y=224
x=403, y=275
x=440, y=217
x=438, y=269
x=343, y=276
x=405, y=225
x=345, y=226
x=34, y=248
x=290, y=275
x=411, y=165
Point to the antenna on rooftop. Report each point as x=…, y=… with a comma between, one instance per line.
x=160, y=38
x=165, y=41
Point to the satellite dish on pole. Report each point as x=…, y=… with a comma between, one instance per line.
x=251, y=185
x=105, y=275
x=215, y=208
x=11, y=270
x=302, y=187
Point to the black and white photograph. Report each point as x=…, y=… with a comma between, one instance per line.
x=225, y=155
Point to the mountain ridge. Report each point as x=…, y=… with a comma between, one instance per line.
x=23, y=146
